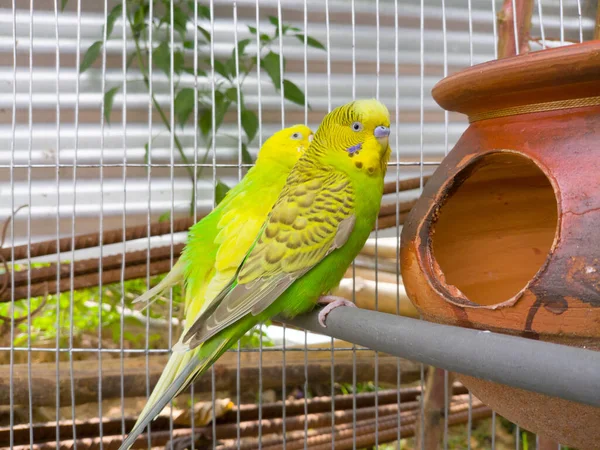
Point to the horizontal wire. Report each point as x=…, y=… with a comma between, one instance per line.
x=167, y=350
x=165, y=165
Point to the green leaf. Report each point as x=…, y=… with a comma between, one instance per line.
x=221, y=107
x=271, y=64
x=205, y=121
x=250, y=123
x=231, y=94
x=109, y=97
x=162, y=57
x=242, y=46
x=246, y=156
x=184, y=105
x=274, y=21
x=146, y=153
x=180, y=19
x=139, y=19
x=114, y=14
x=90, y=56
x=221, y=190
x=204, y=11
x=293, y=93
x=178, y=62
x=312, y=42
x=252, y=29
x=190, y=70
x=165, y=216
x=63, y=5
x=205, y=33
x=221, y=69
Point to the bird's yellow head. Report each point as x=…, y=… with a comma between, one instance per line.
x=286, y=146
x=355, y=137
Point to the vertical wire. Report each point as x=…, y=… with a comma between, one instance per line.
x=469, y=7
x=517, y=437
x=283, y=350
x=149, y=211
x=12, y=227
x=469, y=421
x=328, y=46
x=562, y=23
x=495, y=29
x=172, y=177
x=515, y=28
x=57, y=178
x=239, y=127
x=101, y=225
x=495, y=33
x=421, y=168
x=542, y=32
x=397, y=147
x=580, y=20
x=124, y=215
x=73, y=215
x=353, y=19
x=194, y=190
x=29, y=176
x=260, y=326
x=376, y=375
x=445, y=56
x=214, y=183
x=305, y=123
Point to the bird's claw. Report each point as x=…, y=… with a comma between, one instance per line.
x=331, y=302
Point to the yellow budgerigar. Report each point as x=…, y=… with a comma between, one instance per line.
x=316, y=227
x=218, y=243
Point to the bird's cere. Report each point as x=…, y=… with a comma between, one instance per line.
x=382, y=132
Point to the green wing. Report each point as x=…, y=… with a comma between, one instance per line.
x=313, y=216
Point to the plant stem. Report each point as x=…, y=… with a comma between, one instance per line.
x=161, y=112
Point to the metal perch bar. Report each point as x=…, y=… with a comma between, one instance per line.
x=518, y=362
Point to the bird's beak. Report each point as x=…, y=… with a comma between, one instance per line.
x=382, y=133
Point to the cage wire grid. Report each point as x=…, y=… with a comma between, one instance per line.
x=460, y=47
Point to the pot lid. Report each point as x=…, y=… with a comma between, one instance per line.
x=563, y=73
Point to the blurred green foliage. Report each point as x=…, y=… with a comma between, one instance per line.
x=177, y=22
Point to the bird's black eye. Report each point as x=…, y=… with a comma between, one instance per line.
x=297, y=136
x=357, y=126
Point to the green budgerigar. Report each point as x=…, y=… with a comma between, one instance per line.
x=318, y=224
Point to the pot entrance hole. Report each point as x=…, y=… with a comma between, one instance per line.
x=495, y=229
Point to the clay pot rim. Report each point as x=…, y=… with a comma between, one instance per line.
x=563, y=73
x=428, y=262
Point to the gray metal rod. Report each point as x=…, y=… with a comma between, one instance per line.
x=555, y=370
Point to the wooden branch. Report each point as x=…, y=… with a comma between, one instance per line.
x=247, y=412
x=433, y=409
x=597, y=25
x=508, y=43
x=44, y=383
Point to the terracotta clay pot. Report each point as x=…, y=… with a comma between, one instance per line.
x=506, y=236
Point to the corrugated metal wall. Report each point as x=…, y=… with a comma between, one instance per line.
x=28, y=164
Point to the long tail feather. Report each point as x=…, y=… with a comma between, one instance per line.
x=180, y=371
x=172, y=278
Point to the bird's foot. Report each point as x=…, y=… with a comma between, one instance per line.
x=331, y=302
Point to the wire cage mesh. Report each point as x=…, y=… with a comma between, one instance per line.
x=110, y=149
